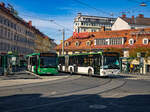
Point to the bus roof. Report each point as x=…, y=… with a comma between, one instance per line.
x=34, y=54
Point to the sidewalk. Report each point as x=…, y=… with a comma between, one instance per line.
x=134, y=76
x=26, y=77
x=13, y=82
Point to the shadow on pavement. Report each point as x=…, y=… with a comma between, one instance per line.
x=74, y=103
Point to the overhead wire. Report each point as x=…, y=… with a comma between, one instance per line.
x=92, y=7
x=46, y=19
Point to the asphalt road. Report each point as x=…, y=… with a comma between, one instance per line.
x=78, y=94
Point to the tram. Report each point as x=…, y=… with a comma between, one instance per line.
x=42, y=63
x=99, y=64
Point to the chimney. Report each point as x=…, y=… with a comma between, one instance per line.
x=123, y=15
x=30, y=23
x=133, y=20
x=141, y=16
x=2, y=4
x=103, y=28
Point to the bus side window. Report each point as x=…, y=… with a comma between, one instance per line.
x=71, y=60
x=81, y=60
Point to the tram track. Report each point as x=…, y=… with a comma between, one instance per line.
x=62, y=94
x=31, y=85
x=82, y=91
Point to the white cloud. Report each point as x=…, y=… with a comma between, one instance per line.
x=50, y=28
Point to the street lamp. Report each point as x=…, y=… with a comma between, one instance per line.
x=63, y=34
x=63, y=38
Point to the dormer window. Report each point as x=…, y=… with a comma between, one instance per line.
x=145, y=41
x=131, y=41
x=77, y=43
x=67, y=43
x=88, y=43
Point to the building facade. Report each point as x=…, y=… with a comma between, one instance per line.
x=123, y=23
x=125, y=40
x=15, y=34
x=43, y=43
x=19, y=36
x=85, y=23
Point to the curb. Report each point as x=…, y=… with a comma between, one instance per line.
x=133, y=76
x=34, y=74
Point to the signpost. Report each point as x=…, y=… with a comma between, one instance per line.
x=141, y=56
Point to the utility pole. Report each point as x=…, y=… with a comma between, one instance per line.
x=63, y=31
x=63, y=34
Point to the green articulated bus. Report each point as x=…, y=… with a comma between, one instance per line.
x=99, y=64
x=42, y=63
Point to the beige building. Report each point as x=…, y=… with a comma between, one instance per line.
x=16, y=35
x=44, y=43
x=85, y=23
x=19, y=36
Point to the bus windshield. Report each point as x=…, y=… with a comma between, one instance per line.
x=46, y=61
x=111, y=62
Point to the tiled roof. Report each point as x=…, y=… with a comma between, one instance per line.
x=127, y=34
x=137, y=21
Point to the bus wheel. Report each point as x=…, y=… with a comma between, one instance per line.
x=71, y=72
x=90, y=72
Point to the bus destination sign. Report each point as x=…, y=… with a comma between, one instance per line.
x=48, y=54
x=110, y=54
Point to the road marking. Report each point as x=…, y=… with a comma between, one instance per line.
x=33, y=74
x=53, y=93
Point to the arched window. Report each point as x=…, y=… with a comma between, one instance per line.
x=67, y=43
x=88, y=43
x=131, y=41
x=145, y=41
x=77, y=43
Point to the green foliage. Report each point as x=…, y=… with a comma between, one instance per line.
x=133, y=52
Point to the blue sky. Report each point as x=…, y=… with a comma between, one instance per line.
x=64, y=11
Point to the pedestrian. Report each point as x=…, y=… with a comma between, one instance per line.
x=131, y=68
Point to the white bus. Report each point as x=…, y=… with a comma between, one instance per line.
x=100, y=64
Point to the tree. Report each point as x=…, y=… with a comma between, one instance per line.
x=133, y=52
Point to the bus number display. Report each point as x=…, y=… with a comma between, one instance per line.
x=110, y=54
